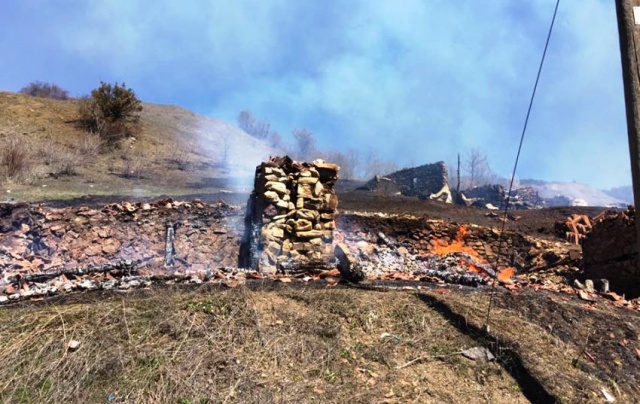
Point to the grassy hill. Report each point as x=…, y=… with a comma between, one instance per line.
x=177, y=152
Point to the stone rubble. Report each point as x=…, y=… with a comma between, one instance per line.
x=46, y=250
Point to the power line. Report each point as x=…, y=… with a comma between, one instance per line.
x=515, y=166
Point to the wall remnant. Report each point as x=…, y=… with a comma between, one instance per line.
x=610, y=252
x=429, y=181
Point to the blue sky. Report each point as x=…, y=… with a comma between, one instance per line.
x=412, y=80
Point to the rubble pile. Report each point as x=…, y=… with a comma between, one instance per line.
x=494, y=196
x=399, y=246
x=525, y=198
x=610, y=251
x=291, y=217
x=485, y=196
x=68, y=246
x=574, y=229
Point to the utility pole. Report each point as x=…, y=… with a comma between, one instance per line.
x=458, y=185
x=628, y=12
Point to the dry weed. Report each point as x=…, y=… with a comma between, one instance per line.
x=179, y=158
x=90, y=146
x=135, y=163
x=15, y=158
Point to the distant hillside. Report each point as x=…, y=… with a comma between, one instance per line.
x=177, y=152
x=574, y=191
x=623, y=193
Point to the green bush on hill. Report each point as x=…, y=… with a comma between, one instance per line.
x=111, y=111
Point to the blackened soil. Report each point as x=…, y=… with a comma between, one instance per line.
x=535, y=222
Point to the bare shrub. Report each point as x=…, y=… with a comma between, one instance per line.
x=348, y=161
x=48, y=154
x=179, y=158
x=46, y=90
x=275, y=140
x=15, y=158
x=135, y=164
x=90, y=146
x=68, y=163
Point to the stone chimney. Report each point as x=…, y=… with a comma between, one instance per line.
x=291, y=217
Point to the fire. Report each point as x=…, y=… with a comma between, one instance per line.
x=506, y=274
x=456, y=246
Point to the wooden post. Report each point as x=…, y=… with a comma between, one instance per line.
x=629, y=33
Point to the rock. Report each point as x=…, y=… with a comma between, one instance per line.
x=317, y=190
x=311, y=234
x=588, y=286
x=602, y=285
x=302, y=225
x=271, y=196
x=478, y=353
x=308, y=180
x=305, y=191
x=279, y=187
x=73, y=345
x=307, y=214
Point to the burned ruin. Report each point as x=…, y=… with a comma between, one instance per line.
x=290, y=228
x=429, y=181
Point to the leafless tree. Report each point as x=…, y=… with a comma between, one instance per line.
x=476, y=167
x=305, y=143
x=256, y=128
x=246, y=120
x=348, y=162
x=275, y=140
x=373, y=164
x=225, y=148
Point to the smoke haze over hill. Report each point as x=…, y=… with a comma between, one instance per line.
x=416, y=82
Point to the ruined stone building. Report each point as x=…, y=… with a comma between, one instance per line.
x=429, y=181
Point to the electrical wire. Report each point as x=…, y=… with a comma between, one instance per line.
x=515, y=167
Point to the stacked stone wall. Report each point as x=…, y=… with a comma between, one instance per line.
x=291, y=216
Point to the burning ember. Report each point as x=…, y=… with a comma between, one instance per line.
x=460, y=257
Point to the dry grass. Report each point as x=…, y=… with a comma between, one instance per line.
x=91, y=146
x=135, y=162
x=181, y=147
x=243, y=346
x=548, y=358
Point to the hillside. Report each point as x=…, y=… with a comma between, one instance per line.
x=574, y=191
x=177, y=152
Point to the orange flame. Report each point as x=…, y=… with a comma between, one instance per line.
x=506, y=274
x=456, y=246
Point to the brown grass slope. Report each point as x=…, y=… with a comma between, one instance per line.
x=176, y=152
x=242, y=346
x=291, y=344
